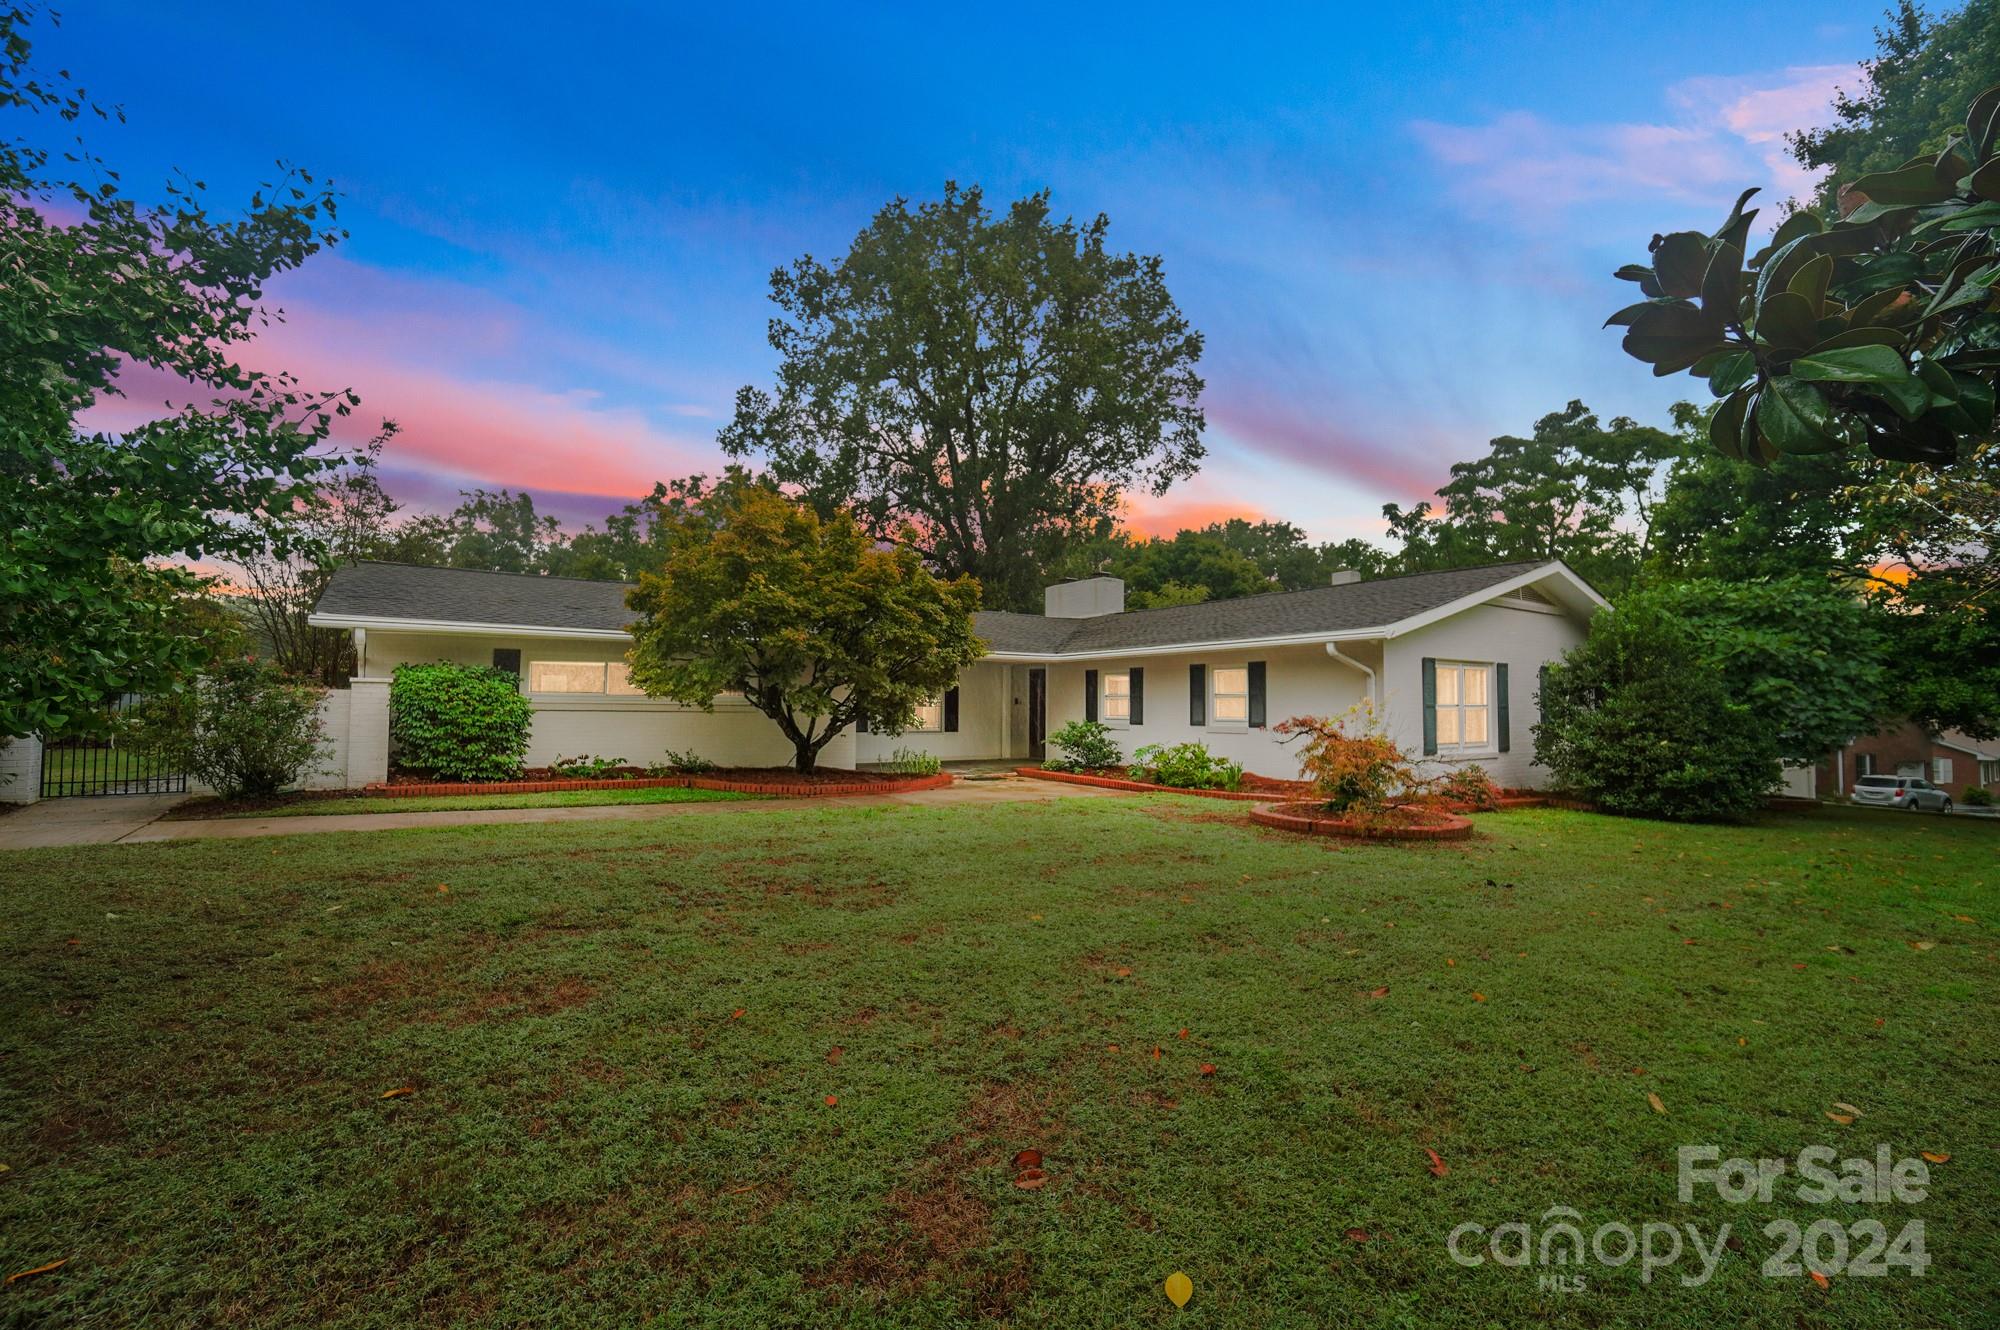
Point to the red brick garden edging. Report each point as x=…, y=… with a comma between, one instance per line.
x=1137, y=786
x=778, y=789
x=1311, y=820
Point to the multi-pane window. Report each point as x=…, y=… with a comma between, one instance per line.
x=930, y=715
x=1232, y=695
x=1941, y=770
x=582, y=676
x=1464, y=706
x=1118, y=697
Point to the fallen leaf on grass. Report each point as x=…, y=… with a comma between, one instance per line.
x=1182, y=1034
x=1358, y=1235
x=833, y=1054
x=736, y=1015
x=1178, y=1288
x=1925, y=945
x=1381, y=992
x=1124, y=972
x=1156, y=1052
x=1111, y=1048
x=1844, y=1119
x=1654, y=1100
x=1849, y=1108
x=1819, y=1279
x=1031, y=1179
x=1965, y=919
x=399, y=1092
x=740, y=1191
x=38, y=1270
x=1479, y=997
x=1208, y=1069
x=1741, y=1041
x=1937, y=1156
x=1028, y=1159
x=832, y=1099
x=1438, y=1166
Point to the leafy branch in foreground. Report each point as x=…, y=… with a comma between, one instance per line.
x=1880, y=329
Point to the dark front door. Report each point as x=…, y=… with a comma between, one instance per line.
x=1038, y=714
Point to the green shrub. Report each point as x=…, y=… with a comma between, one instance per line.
x=585, y=767
x=459, y=722
x=242, y=729
x=1977, y=796
x=1086, y=746
x=1633, y=720
x=1187, y=766
x=913, y=762
x=672, y=763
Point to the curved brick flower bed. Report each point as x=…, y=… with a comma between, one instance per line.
x=1139, y=786
x=776, y=782
x=1314, y=820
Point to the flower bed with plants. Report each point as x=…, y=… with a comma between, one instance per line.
x=1399, y=822
x=684, y=771
x=1366, y=787
x=1252, y=789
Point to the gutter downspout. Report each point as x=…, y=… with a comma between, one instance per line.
x=1333, y=649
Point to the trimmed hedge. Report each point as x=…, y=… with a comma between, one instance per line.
x=459, y=722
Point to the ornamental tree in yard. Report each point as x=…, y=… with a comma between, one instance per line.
x=97, y=285
x=816, y=625
x=1881, y=329
x=993, y=384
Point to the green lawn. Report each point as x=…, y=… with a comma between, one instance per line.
x=310, y=807
x=621, y=1039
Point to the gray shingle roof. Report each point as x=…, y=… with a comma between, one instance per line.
x=465, y=595
x=458, y=595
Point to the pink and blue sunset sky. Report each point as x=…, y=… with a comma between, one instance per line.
x=1395, y=227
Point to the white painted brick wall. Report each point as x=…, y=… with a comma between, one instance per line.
x=20, y=770
x=366, y=755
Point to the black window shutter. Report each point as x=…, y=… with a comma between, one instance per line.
x=1197, y=694
x=951, y=710
x=1090, y=694
x=1138, y=697
x=861, y=724
x=1430, y=707
x=1256, y=694
x=1500, y=687
x=508, y=659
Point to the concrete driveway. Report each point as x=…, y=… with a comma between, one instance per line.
x=94, y=820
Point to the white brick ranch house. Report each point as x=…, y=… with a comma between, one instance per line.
x=1450, y=660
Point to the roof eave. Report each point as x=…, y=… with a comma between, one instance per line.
x=378, y=623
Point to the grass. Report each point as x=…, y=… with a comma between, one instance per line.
x=621, y=1039
x=309, y=806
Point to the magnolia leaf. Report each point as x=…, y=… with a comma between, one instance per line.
x=1985, y=181
x=1179, y=1288
x=1937, y=1156
x=1852, y=364
x=1787, y=321
x=1735, y=229
x=1031, y=1179
x=1680, y=261
x=1875, y=336
x=1795, y=418
x=1722, y=283
x=1811, y=281
x=1915, y=183
x=1844, y=1119
x=1725, y=427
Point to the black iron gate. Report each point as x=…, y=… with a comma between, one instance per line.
x=102, y=766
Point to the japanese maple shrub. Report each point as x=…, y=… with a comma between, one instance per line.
x=459, y=722
x=1352, y=766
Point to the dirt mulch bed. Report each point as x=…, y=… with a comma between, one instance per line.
x=781, y=782
x=1255, y=789
x=1398, y=824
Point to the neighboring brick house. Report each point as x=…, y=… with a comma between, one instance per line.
x=1948, y=759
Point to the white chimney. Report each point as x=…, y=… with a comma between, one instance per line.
x=1085, y=598
x=1345, y=576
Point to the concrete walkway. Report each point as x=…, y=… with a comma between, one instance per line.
x=82, y=821
x=87, y=822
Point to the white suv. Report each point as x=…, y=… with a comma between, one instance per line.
x=1907, y=792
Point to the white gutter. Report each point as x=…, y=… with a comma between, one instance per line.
x=1186, y=648
x=368, y=621
x=1333, y=649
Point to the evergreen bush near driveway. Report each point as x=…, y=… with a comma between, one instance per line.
x=1635, y=720
x=459, y=722
x=242, y=729
x=1187, y=766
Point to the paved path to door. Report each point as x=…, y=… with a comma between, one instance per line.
x=60, y=822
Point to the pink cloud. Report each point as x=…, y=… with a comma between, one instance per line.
x=1727, y=134
x=1273, y=426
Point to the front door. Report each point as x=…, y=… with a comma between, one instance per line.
x=1038, y=714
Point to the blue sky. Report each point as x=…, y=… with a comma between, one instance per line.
x=1395, y=228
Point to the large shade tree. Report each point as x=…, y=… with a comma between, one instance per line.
x=813, y=622
x=98, y=285
x=991, y=386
